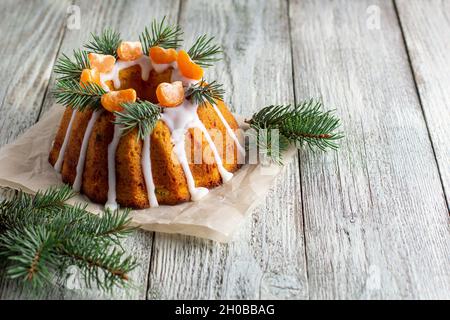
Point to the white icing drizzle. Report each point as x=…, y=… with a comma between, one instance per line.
x=161, y=67
x=179, y=120
x=62, y=151
x=226, y=176
x=229, y=130
x=112, y=147
x=144, y=62
x=82, y=158
x=147, y=170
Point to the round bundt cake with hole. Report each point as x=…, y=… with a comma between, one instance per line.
x=111, y=149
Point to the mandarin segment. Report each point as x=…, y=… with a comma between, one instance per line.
x=170, y=94
x=89, y=75
x=112, y=100
x=129, y=50
x=161, y=55
x=101, y=62
x=188, y=68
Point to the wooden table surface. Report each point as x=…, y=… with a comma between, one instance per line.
x=370, y=221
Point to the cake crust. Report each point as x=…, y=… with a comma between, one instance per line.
x=171, y=186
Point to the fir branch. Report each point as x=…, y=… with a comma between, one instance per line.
x=204, y=52
x=311, y=126
x=68, y=69
x=98, y=262
x=77, y=96
x=28, y=250
x=141, y=114
x=24, y=209
x=113, y=225
x=203, y=92
x=269, y=144
x=52, y=198
x=105, y=43
x=301, y=124
x=161, y=34
x=40, y=236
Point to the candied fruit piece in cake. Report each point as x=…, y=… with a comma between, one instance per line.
x=189, y=68
x=89, y=75
x=161, y=55
x=112, y=100
x=101, y=62
x=129, y=50
x=170, y=94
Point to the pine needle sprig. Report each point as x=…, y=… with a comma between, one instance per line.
x=161, y=34
x=311, y=126
x=106, y=43
x=21, y=210
x=304, y=123
x=204, y=52
x=77, y=96
x=99, y=263
x=141, y=114
x=40, y=237
x=28, y=251
x=68, y=69
x=114, y=225
x=269, y=144
x=270, y=117
x=203, y=92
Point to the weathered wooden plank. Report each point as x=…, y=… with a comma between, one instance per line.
x=128, y=17
x=427, y=40
x=31, y=33
x=376, y=222
x=266, y=260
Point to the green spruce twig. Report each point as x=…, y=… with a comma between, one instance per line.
x=204, y=52
x=78, y=96
x=202, y=92
x=68, y=69
x=41, y=236
x=141, y=114
x=304, y=123
x=269, y=144
x=161, y=34
x=105, y=43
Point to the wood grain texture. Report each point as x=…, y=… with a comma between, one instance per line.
x=127, y=17
x=426, y=27
x=376, y=222
x=31, y=34
x=374, y=219
x=130, y=18
x=266, y=260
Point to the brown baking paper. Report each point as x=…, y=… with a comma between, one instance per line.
x=24, y=166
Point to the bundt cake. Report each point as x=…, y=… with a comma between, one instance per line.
x=101, y=148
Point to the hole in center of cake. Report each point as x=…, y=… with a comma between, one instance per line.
x=130, y=78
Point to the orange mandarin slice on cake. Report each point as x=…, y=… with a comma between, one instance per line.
x=161, y=55
x=188, y=68
x=129, y=50
x=112, y=101
x=170, y=94
x=89, y=75
x=101, y=62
